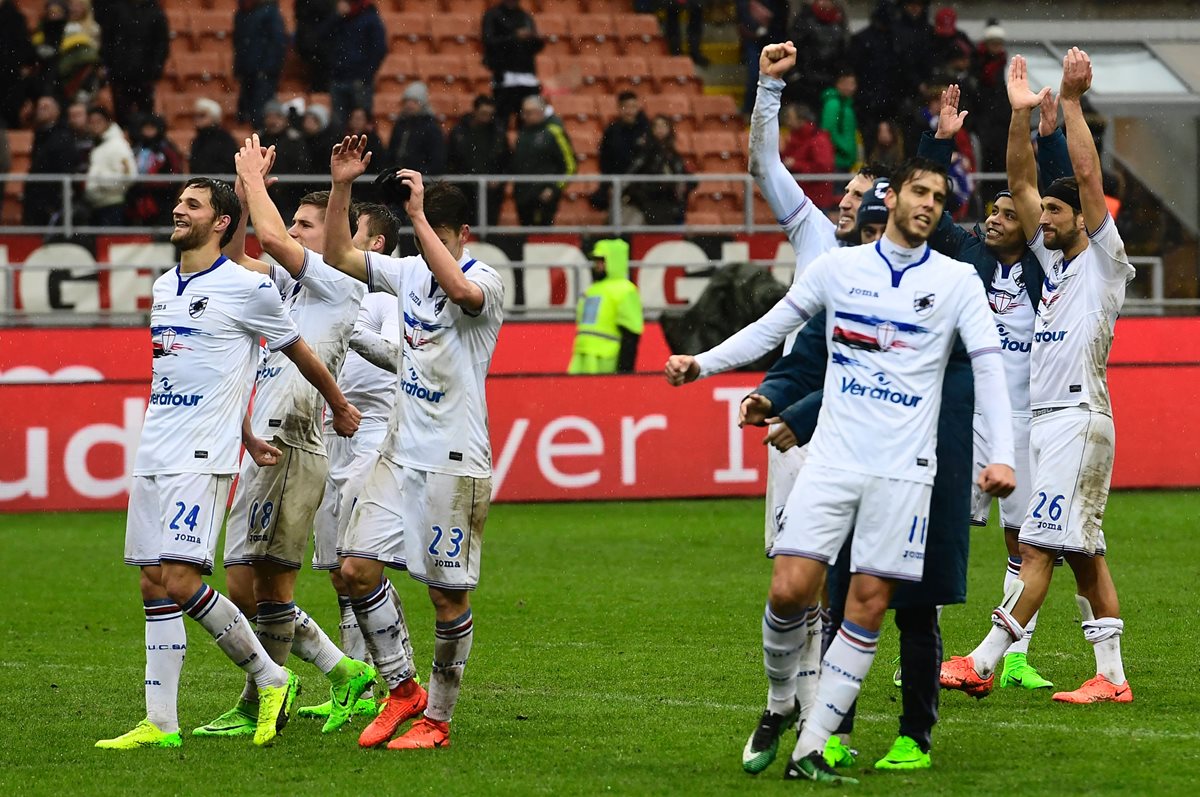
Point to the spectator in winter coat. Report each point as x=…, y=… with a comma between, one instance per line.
x=291, y=157
x=659, y=202
x=477, y=146
x=259, y=47
x=808, y=150
x=53, y=153
x=77, y=123
x=839, y=120
x=992, y=110
x=134, y=48
x=510, y=42
x=889, y=149
x=874, y=59
x=914, y=40
x=360, y=123
x=313, y=18
x=150, y=204
x=213, y=147
x=110, y=170
x=947, y=38
x=621, y=141
x=822, y=41
x=542, y=148
x=417, y=139
x=357, y=44
x=17, y=57
x=319, y=134
x=760, y=22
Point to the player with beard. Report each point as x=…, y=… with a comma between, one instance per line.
x=895, y=310
x=1072, y=437
x=207, y=316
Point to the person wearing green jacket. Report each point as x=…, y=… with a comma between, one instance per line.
x=608, y=319
x=838, y=119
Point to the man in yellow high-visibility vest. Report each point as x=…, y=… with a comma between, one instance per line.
x=608, y=320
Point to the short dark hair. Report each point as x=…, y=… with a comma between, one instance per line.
x=100, y=109
x=445, y=206
x=222, y=200
x=381, y=221
x=626, y=95
x=875, y=170
x=911, y=167
x=482, y=100
x=320, y=199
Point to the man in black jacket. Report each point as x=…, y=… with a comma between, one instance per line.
x=53, y=153
x=477, y=146
x=623, y=139
x=213, y=147
x=134, y=50
x=510, y=43
x=542, y=148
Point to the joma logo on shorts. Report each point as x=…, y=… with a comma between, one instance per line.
x=914, y=555
x=855, y=388
x=446, y=563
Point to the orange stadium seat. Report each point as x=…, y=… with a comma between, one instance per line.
x=639, y=34
x=387, y=108
x=20, y=149
x=612, y=7
x=701, y=217
x=428, y=7
x=629, y=73
x=179, y=23
x=575, y=109
x=606, y=108
x=398, y=68
x=685, y=143
x=556, y=6
x=578, y=212
x=449, y=106
x=456, y=33
x=676, y=107
x=410, y=29
x=214, y=26
x=675, y=73
x=593, y=34
x=210, y=70
x=553, y=28
x=715, y=109
x=718, y=151
x=443, y=70
x=586, y=142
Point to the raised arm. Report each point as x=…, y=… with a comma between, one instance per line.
x=460, y=290
x=1053, y=160
x=348, y=161
x=235, y=250
x=1022, y=171
x=252, y=167
x=939, y=147
x=1076, y=80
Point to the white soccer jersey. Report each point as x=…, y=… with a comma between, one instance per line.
x=439, y=422
x=1013, y=312
x=1074, y=331
x=204, y=330
x=368, y=387
x=323, y=302
x=891, y=327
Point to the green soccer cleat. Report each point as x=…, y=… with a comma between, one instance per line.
x=905, y=754
x=344, y=693
x=144, y=734
x=898, y=675
x=763, y=744
x=838, y=754
x=275, y=709
x=363, y=707
x=237, y=721
x=1019, y=672
x=813, y=767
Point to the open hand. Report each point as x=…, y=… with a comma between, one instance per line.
x=349, y=159
x=416, y=191
x=1048, y=118
x=950, y=119
x=1020, y=96
x=1077, y=74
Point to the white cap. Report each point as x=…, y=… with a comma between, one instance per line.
x=993, y=32
x=207, y=106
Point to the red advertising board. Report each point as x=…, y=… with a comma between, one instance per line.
x=70, y=444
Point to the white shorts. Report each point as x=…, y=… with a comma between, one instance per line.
x=1071, y=452
x=1014, y=507
x=274, y=507
x=176, y=517
x=889, y=518
x=350, y=460
x=428, y=523
x=782, y=470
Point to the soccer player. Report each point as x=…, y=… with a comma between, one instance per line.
x=1072, y=438
x=368, y=378
x=893, y=311
x=273, y=509
x=1013, y=278
x=427, y=496
x=207, y=316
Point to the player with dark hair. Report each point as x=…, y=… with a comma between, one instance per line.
x=426, y=499
x=1071, y=441
x=205, y=322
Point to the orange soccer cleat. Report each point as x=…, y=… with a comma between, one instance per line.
x=959, y=673
x=403, y=703
x=425, y=734
x=1097, y=690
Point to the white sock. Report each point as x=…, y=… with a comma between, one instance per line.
x=809, y=668
x=382, y=624
x=405, y=637
x=452, y=646
x=783, y=640
x=988, y=654
x=166, y=645
x=232, y=633
x=843, y=669
x=313, y=645
x=1011, y=573
x=275, y=628
x=1105, y=635
x=349, y=634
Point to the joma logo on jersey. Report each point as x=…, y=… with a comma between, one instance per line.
x=415, y=299
x=1049, y=337
x=856, y=388
x=864, y=292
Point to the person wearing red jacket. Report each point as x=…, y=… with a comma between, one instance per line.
x=809, y=150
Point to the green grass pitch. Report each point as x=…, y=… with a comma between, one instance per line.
x=617, y=650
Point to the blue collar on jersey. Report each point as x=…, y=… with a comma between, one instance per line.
x=896, y=275
x=183, y=283
x=433, y=283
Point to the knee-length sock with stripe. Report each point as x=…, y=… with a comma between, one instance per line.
x=783, y=641
x=842, y=672
x=166, y=645
x=451, y=648
x=350, y=638
x=809, y=663
x=382, y=625
x=313, y=645
x=229, y=627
